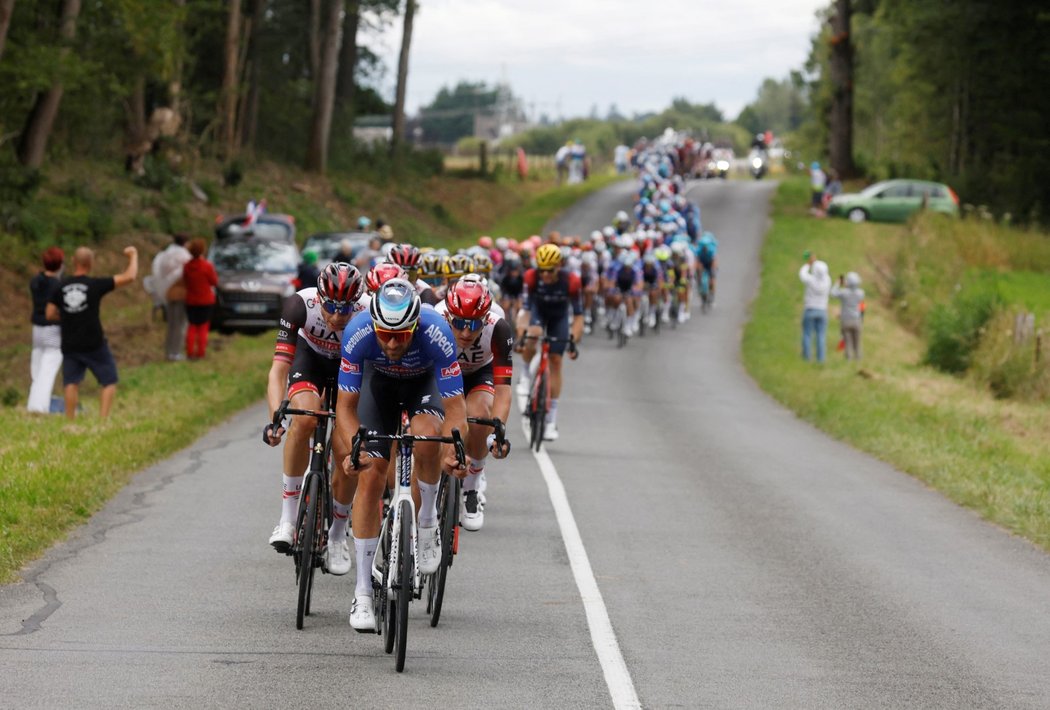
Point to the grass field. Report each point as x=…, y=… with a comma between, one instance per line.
x=990, y=455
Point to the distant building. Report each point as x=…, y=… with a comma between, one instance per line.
x=374, y=129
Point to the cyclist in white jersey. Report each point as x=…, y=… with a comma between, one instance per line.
x=306, y=356
x=484, y=346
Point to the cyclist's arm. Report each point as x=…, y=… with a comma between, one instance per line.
x=293, y=316
x=576, y=302
x=346, y=420
x=502, y=369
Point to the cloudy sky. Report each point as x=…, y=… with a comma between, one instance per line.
x=565, y=56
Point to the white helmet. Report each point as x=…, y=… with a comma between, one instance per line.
x=502, y=243
x=596, y=235
x=395, y=306
x=609, y=232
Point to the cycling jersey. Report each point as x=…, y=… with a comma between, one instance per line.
x=553, y=300
x=433, y=351
x=512, y=285
x=301, y=317
x=492, y=347
x=624, y=278
x=705, y=250
x=652, y=275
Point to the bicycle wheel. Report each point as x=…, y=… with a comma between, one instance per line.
x=448, y=519
x=538, y=414
x=405, y=565
x=384, y=605
x=309, y=534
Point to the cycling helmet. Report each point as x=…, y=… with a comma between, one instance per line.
x=468, y=298
x=405, y=255
x=649, y=258
x=395, y=306
x=662, y=253
x=621, y=216
x=548, y=256
x=512, y=262
x=430, y=264
x=628, y=258
x=381, y=273
x=589, y=258
x=679, y=248
x=502, y=243
x=485, y=242
x=459, y=264
x=596, y=235
x=609, y=232
x=340, y=282
x=482, y=264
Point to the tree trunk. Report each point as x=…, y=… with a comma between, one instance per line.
x=230, y=75
x=314, y=39
x=402, y=79
x=250, y=112
x=33, y=143
x=324, y=90
x=348, y=55
x=7, y=7
x=840, y=149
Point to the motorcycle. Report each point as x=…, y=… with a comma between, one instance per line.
x=759, y=164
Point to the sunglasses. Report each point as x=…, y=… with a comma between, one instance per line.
x=547, y=271
x=471, y=324
x=337, y=307
x=398, y=337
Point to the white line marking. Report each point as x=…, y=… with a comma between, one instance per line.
x=617, y=677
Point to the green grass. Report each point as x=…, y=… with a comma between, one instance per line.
x=990, y=456
x=56, y=473
x=546, y=206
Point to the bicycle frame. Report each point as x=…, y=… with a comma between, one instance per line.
x=404, y=493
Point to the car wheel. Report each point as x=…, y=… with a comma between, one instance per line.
x=857, y=215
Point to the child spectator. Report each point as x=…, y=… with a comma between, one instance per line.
x=848, y=290
x=201, y=280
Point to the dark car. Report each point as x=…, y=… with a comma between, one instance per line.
x=257, y=264
x=328, y=245
x=895, y=201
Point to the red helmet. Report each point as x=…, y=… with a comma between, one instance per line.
x=340, y=282
x=405, y=255
x=485, y=242
x=381, y=273
x=468, y=298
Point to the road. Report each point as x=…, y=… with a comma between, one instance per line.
x=743, y=559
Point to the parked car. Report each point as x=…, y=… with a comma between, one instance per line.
x=327, y=245
x=256, y=264
x=895, y=201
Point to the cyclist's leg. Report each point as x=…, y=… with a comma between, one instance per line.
x=711, y=273
x=480, y=390
x=427, y=415
x=559, y=329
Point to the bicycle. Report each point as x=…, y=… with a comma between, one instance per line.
x=538, y=403
x=617, y=324
x=705, y=290
x=449, y=494
x=315, y=502
x=396, y=578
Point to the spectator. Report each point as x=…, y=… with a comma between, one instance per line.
x=46, y=358
x=386, y=233
x=848, y=290
x=364, y=224
x=371, y=256
x=201, y=280
x=620, y=158
x=346, y=252
x=561, y=161
x=814, y=274
x=308, y=271
x=817, y=182
x=833, y=188
x=75, y=303
x=168, y=285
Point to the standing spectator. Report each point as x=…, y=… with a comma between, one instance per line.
x=46, y=358
x=384, y=230
x=168, y=284
x=848, y=290
x=367, y=258
x=817, y=182
x=833, y=188
x=814, y=274
x=201, y=280
x=308, y=271
x=75, y=303
x=620, y=158
x=561, y=161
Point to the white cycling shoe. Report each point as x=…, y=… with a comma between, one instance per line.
x=282, y=536
x=471, y=513
x=550, y=432
x=363, y=615
x=429, y=550
x=523, y=386
x=337, y=557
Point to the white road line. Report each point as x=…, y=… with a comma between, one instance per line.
x=617, y=677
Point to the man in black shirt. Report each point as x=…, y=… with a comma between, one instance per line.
x=75, y=303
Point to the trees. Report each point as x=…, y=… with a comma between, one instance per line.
x=324, y=88
x=7, y=8
x=840, y=147
x=402, y=78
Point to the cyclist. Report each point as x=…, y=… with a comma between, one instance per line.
x=511, y=284
x=653, y=284
x=484, y=341
x=551, y=292
x=682, y=263
x=409, y=258
x=307, y=355
x=410, y=355
x=623, y=282
x=380, y=274
x=707, y=254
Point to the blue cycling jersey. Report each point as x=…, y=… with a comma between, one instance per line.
x=433, y=350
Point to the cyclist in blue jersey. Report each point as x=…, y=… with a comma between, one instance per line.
x=706, y=251
x=397, y=357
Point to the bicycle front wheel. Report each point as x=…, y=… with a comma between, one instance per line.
x=538, y=413
x=309, y=534
x=405, y=565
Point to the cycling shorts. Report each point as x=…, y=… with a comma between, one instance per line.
x=481, y=379
x=382, y=400
x=310, y=371
x=557, y=327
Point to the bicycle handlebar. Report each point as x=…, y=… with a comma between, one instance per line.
x=495, y=423
x=362, y=436
x=549, y=339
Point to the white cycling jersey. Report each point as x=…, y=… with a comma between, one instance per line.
x=479, y=353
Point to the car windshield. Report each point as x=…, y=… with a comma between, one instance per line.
x=262, y=229
x=327, y=246
x=255, y=255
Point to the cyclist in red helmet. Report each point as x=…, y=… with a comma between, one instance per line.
x=305, y=358
x=484, y=345
x=410, y=259
x=380, y=274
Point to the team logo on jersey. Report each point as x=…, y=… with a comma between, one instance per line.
x=348, y=367
x=451, y=371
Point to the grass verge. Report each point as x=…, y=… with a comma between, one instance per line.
x=533, y=215
x=989, y=455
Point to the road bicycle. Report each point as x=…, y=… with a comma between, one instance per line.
x=538, y=403
x=705, y=290
x=617, y=324
x=315, y=502
x=396, y=578
x=449, y=494
x=643, y=313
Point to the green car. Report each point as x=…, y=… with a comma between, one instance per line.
x=895, y=201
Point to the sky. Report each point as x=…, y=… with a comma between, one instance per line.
x=563, y=57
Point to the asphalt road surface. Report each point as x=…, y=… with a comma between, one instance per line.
x=743, y=559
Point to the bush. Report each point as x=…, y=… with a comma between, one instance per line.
x=953, y=330
x=1009, y=367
